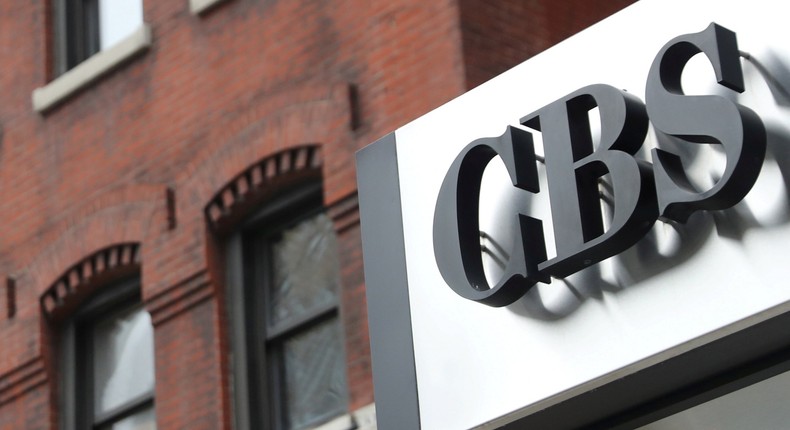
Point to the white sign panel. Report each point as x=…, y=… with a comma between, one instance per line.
x=682, y=286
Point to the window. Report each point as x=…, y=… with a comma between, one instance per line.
x=90, y=38
x=108, y=363
x=289, y=361
x=85, y=27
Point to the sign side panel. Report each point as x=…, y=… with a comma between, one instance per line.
x=389, y=315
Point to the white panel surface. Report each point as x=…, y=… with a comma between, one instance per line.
x=479, y=366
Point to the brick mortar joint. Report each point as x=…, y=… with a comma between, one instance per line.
x=180, y=291
x=178, y=307
x=18, y=375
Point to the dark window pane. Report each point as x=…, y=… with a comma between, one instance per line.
x=123, y=358
x=315, y=381
x=143, y=420
x=305, y=269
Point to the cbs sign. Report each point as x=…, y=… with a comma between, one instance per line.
x=642, y=191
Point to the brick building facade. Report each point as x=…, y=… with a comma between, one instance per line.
x=146, y=158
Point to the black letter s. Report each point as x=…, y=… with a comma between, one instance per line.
x=702, y=119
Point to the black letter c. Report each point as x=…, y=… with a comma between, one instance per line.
x=456, y=230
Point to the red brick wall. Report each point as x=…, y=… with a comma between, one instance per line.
x=212, y=96
x=500, y=35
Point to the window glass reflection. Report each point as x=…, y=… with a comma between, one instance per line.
x=314, y=373
x=305, y=269
x=118, y=19
x=123, y=358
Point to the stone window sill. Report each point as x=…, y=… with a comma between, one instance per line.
x=363, y=418
x=65, y=85
x=198, y=7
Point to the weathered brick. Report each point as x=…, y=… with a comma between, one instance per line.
x=213, y=96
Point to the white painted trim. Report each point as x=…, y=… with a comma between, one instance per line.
x=363, y=418
x=343, y=422
x=91, y=69
x=197, y=7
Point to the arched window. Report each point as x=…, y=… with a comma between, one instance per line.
x=283, y=300
x=105, y=353
x=107, y=362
